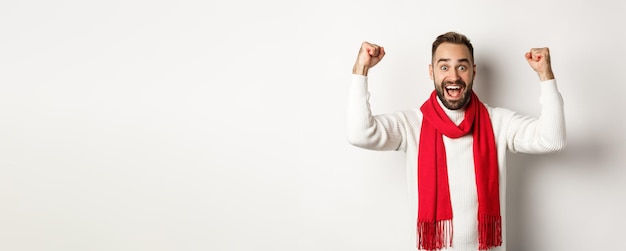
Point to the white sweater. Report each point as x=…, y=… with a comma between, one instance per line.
x=400, y=131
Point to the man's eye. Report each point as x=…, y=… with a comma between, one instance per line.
x=462, y=68
x=444, y=68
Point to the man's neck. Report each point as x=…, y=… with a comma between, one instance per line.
x=456, y=116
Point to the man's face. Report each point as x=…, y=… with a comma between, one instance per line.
x=453, y=71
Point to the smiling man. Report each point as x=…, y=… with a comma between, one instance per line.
x=456, y=145
x=453, y=71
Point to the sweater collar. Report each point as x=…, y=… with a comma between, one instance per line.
x=456, y=116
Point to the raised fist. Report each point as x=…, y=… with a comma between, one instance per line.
x=539, y=60
x=369, y=56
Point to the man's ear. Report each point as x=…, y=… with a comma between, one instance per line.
x=430, y=72
x=474, y=76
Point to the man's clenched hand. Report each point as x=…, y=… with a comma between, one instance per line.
x=539, y=60
x=369, y=56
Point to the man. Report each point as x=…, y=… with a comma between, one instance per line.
x=455, y=145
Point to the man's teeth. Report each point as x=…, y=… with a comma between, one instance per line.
x=453, y=87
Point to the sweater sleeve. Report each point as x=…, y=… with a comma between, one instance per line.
x=544, y=134
x=381, y=132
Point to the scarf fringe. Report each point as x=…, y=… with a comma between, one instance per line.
x=434, y=235
x=489, y=231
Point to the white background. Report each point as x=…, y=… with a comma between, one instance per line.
x=219, y=125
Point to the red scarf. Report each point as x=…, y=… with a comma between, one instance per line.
x=434, y=224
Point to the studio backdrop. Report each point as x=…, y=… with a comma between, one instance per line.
x=220, y=125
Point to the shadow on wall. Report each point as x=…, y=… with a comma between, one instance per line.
x=589, y=151
x=484, y=83
x=520, y=169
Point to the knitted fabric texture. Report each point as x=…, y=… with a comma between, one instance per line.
x=434, y=222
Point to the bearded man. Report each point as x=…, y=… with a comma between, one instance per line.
x=456, y=145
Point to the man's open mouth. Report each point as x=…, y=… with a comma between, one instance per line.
x=454, y=91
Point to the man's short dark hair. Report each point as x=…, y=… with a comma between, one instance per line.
x=455, y=38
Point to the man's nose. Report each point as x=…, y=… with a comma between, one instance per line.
x=453, y=75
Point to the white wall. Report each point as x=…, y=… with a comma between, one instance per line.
x=219, y=125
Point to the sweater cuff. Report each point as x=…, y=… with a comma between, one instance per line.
x=358, y=77
x=359, y=84
x=549, y=86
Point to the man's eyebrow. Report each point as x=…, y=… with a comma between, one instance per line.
x=447, y=60
x=443, y=60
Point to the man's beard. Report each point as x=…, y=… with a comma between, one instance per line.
x=456, y=104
